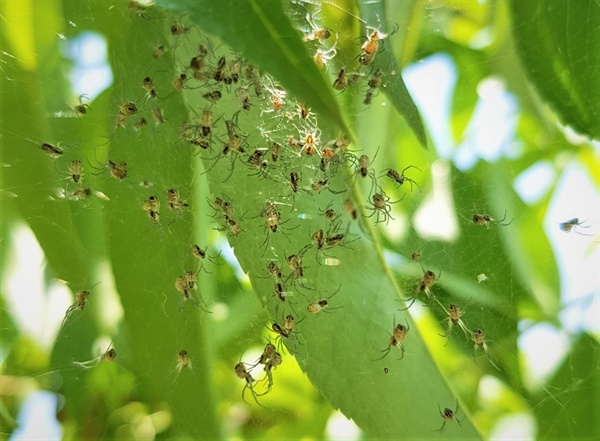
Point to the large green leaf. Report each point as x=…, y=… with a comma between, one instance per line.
x=559, y=47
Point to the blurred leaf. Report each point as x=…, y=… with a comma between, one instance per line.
x=261, y=32
x=558, y=45
x=471, y=70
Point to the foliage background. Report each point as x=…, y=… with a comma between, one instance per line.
x=545, y=56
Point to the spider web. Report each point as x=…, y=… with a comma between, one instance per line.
x=438, y=255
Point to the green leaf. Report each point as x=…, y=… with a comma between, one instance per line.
x=570, y=401
x=337, y=347
x=261, y=32
x=558, y=45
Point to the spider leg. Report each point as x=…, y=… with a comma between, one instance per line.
x=387, y=351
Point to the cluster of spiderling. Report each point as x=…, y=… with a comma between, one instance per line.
x=301, y=167
x=269, y=359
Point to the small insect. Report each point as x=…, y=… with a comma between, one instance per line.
x=183, y=361
x=318, y=241
x=257, y=162
x=273, y=222
x=362, y=164
x=368, y=98
x=322, y=305
x=372, y=44
x=350, y=208
x=332, y=240
x=341, y=81
x=429, y=278
x=399, y=177
x=454, y=319
x=127, y=109
x=196, y=66
x=330, y=215
x=277, y=99
x=294, y=262
x=447, y=415
x=318, y=34
x=271, y=216
x=158, y=116
x=258, y=86
x=396, y=337
x=179, y=81
x=158, y=51
x=80, y=302
x=321, y=57
x=375, y=81
x=219, y=75
x=303, y=111
x=415, y=254
x=478, y=338
x=294, y=181
x=152, y=208
x=51, y=150
x=179, y=29
x=118, y=170
x=486, y=219
x=185, y=284
x=380, y=205
x=223, y=208
x=275, y=151
x=148, y=86
x=174, y=202
x=573, y=225
x=370, y=47
x=279, y=291
x=230, y=225
x=82, y=108
x=268, y=353
x=213, y=96
x=110, y=355
x=80, y=194
x=324, y=183
x=289, y=323
x=140, y=124
x=241, y=372
x=201, y=255
x=76, y=171
x=270, y=364
x=282, y=333
x=365, y=58
x=234, y=70
x=274, y=270
x=308, y=143
x=244, y=97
